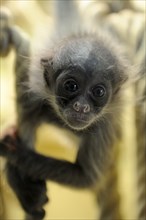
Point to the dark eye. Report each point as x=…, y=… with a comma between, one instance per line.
x=70, y=85
x=99, y=91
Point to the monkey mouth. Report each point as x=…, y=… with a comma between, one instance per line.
x=77, y=120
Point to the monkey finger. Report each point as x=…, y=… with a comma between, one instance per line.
x=43, y=201
x=10, y=145
x=3, y=149
x=4, y=45
x=7, y=146
x=11, y=131
x=46, y=200
x=38, y=215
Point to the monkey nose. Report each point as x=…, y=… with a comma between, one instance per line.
x=78, y=107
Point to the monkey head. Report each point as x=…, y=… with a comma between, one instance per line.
x=82, y=75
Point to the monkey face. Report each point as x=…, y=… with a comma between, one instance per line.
x=83, y=75
x=81, y=97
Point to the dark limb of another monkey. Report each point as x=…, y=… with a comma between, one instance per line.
x=14, y=38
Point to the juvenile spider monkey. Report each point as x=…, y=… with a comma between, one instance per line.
x=77, y=84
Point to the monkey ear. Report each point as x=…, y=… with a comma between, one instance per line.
x=120, y=84
x=131, y=77
x=47, y=64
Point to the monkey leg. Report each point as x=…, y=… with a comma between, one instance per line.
x=31, y=194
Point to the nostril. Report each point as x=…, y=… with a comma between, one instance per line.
x=77, y=106
x=86, y=108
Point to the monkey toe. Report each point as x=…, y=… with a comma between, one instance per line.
x=38, y=215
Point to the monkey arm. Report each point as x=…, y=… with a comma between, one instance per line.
x=59, y=171
x=41, y=167
x=31, y=194
x=14, y=38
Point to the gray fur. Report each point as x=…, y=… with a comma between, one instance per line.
x=93, y=59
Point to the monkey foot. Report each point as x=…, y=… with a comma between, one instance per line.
x=32, y=194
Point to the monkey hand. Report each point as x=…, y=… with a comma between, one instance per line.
x=5, y=38
x=11, y=35
x=12, y=147
x=10, y=143
x=15, y=150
